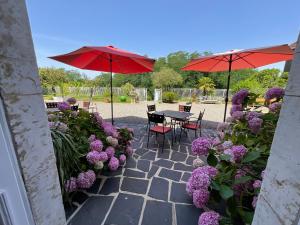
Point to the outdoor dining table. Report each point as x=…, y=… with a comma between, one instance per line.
x=173, y=114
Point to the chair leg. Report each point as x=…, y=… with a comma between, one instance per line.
x=180, y=134
x=148, y=138
x=162, y=150
x=156, y=137
x=172, y=137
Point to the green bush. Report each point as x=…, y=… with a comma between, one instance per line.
x=169, y=97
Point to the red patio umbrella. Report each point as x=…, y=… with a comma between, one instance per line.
x=107, y=59
x=240, y=59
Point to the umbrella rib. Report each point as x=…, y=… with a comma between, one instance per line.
x=242, y=58
x=214, y=66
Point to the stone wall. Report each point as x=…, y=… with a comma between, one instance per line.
x=21, y=93
x=279, y=200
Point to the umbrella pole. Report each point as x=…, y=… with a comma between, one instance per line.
x=111, y=92
x=227, y=90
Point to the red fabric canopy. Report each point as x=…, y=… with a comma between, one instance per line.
x=99, y=58
x=241, y=59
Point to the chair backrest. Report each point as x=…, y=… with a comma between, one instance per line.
x=74, y=107
x=155, y=118
x=51, y=105
x=181, y=108
x=151, y=108
x=86, y=104
x=187, y=108
x=200, y=117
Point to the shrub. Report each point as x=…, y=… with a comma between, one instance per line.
x=127, y=88
x=169, y=97
x=237, y=160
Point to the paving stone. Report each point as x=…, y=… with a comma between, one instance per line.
x=159, y=189
x=152, y=171
x=163, y=155
x=134, y=185
x=141, y=151
x=170, y=174
x=159, y=213
x=130, y=163
x=178, y=193
x=113, y=173
x=93, y=211
x=95, y=188
x=133, y=173
x=178, y=156
x=181, y=166
x=163, y=163
x=125, y=211
x=185, y=176
x=111, y=185
x=182, y=148
x=143, y=165
x=150, y=155
x=190, y=160
x=187, y=214
x=80, y=197
x=69, y=210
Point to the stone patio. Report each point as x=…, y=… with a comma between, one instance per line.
x=148, y=190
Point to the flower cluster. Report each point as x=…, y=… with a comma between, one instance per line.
x=274, y=92
x=239, y=97
x=97, y=119
x=237, y=115
x=236, y=152
x=235, y=108
x=109, y=129
x=252, y=114
x=275, y=107
x=209, y=218
x=86, y=179
x=71, y=185
x=71, y=101
x=112, y=141
x=113, y=164
x=63, y=106
x=255, y=124
x=96, y=145
x=201, y=146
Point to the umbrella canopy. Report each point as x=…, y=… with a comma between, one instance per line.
x=107, y=59
x=240, y=59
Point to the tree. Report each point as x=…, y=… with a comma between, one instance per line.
x=166, y=78
x=206, y=85
x=52, y=76
x=127, y=88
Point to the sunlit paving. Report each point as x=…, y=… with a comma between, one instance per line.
x=149, y=113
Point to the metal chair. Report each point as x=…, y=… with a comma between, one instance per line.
x=155, y=120
x=74, y=107
x=52, y=105
x=193, y=125
x=151, y=108
x=88, y=105
x=185, y=108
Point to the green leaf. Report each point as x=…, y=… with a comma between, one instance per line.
x=242, y=180
x=251, y=156
x=212, y=159
x=226, y=192
x=247, y=217
x=215, y=185
x=250, y=142
x=225, y=157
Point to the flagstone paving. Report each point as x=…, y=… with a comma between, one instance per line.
x=148, y=190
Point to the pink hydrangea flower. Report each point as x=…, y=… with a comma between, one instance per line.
x=122, y=159
x=254, y=201
x=71, y=101
x=236, y=152
x=113, y=164
x=257, y=184
x=197, y=181
x=252, y=114
x=109, y=129
x=274, y=92
x=129, y=150
x=97, y=118
x=235, y=108
x=239, y=97
x=93, y=157
x=92, y=138
x=275, y=107
x=63, y=106
x=201, y=146
x=209, y=218
x=70, y=185
x=86, y=179
x=209, y=170
x=200, y=197
x=255, y=125
x=51, y=117
x=103, y=156
x=238, y=115
x=110, y=151
x=96, y=145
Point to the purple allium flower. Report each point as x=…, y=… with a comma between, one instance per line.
x=223, y=126
x=71, y=100
x=86, y=179
x=200, y=197
x=103, y=156
x=236, y=152
x=274, y=92
x=96, y=145
x=110, y=151
x=113, y=164
x=92, y=138
x=62, y=127
x=238, y=115
x=70, y=185
x=257, y=184
x=239, y=97
x=63, y=106
x=275, y=107
x=255, y=125
x=129, y=150
x=235, y=108
x=201, y=146
x=209, y=218
x=93, y=157
x=252, y=114
x=122, y=159
x=254, y=201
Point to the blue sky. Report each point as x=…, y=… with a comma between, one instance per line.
x=158, y=27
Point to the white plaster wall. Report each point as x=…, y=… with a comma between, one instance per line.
x=279, y=200
x=22, y=97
